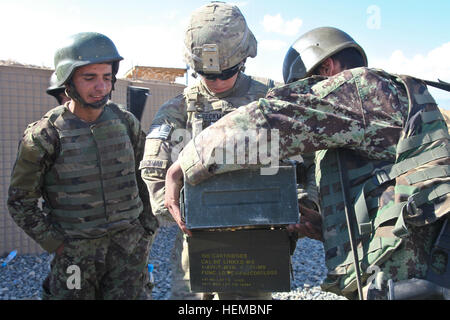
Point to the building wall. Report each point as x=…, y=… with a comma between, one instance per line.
x=154, y=73
x=23, y=100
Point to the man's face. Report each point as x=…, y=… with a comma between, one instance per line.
x=93, y=82
x=219, y=86
x=329, y=67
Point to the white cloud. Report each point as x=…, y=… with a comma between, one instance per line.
x=152, y=45
x=278, y=25
x=435, y=64
x=431, y=66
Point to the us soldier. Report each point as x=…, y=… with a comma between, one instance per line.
x=217, y=44
x=82, y=159
x=382, y=162
x=58, y=92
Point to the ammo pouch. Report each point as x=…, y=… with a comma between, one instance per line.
x=421, y=171
x=415, y=190
x=436, y=285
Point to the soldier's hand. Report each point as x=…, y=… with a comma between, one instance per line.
x=310, y=224
x=172, y=194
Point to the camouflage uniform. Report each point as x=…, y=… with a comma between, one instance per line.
x=217, y=43
x=301, y=60
x=94, y=201
x=159, y=150
x=379, y=119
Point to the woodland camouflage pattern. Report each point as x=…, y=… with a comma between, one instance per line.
x=111, y=268
x=366, y=111
x=41, y=150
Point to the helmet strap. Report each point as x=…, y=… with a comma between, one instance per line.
x=72, y=93
x=242, y=65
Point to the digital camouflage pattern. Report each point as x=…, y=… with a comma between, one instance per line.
x=218, y=38
x=58, y=161
x=387, y=202
x=110, y=268
x=312, y=115
x=366, y=111
x=101, y=192
x=39, y=151
x=189, y=112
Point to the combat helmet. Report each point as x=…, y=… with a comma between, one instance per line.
x=82, y=49
x=312, y=48
x=54, y=89
x=218, y=38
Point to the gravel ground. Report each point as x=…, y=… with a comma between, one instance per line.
x=23, y=276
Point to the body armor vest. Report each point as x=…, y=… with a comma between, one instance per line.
x=385, y=197
x=92, y=188
x=204, y=108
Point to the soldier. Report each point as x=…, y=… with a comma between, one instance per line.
x=382, y=163
x=57, y=91
x=324, y=51
x=217, y=44
x=82, y=158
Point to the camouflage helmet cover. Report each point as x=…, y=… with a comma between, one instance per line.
x=82, y=49
x=218, y=38
x=312, y=48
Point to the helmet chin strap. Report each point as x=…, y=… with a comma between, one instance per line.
x=72, y=93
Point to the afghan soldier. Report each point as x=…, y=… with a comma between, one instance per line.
x=382, y=162
x=81, y=158
x=58, y=92
x=217, y=44
x=322, y=51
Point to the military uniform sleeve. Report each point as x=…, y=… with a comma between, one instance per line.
x=34, y=157
x=308, y=193
x=166, y=137
x=147, y=218
x=357, y=109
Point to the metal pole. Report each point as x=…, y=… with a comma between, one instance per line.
x=350, y=226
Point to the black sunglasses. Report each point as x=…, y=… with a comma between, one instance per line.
x=225, y=75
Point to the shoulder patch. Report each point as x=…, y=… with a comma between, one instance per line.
x=160, y=131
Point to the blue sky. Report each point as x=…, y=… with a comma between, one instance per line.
x=400, y=36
